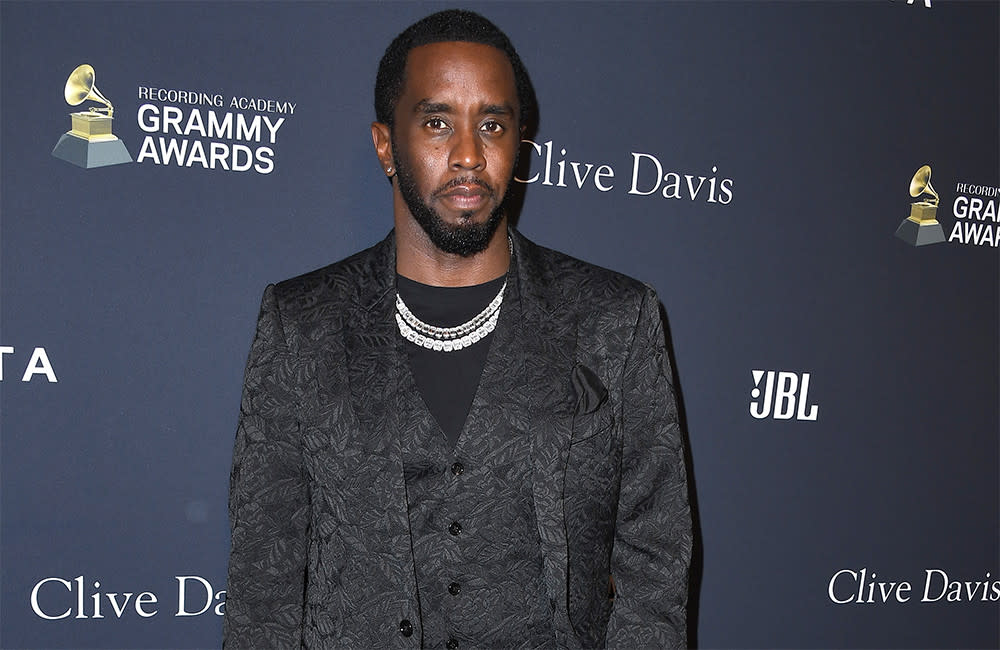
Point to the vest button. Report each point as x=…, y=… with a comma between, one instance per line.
x=457, y=469
x=405, y=627
x=455, y=528
x=454, y=588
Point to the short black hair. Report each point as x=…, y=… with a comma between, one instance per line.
x=447, y=26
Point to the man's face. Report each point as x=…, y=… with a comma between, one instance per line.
x=455, y=141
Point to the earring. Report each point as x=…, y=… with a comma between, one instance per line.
x=388, y=170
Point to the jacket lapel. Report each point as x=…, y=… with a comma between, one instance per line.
x=546, y=348
x=376, y=473
x=372, y=360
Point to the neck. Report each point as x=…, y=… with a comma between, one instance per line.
x=417, y=258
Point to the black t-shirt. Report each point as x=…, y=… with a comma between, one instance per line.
x=447, y=381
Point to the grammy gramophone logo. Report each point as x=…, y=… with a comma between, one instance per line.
x=922, y=227
x=90, y=143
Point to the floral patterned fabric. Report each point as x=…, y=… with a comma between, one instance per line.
x=322, y=553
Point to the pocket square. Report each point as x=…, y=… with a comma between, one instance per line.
x=590, y=391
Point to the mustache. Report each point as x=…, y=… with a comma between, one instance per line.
x=467, y=181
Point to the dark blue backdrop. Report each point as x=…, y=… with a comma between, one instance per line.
x=141, y=284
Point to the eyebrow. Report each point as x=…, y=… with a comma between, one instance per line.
x=426, y=106
x=498, y=109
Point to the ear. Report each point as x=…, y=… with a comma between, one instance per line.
x=382, y=140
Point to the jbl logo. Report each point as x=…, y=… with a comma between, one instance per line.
x=781, y=392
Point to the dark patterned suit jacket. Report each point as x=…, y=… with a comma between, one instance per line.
x=321, y=551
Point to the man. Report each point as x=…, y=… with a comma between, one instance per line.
x=457, y=438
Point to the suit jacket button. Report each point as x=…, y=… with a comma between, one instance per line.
x=452, y=644
x=405, y=627
x=455, y=528
x=454, y=588
x=457, y=469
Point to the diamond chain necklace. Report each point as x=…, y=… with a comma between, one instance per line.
x=450, y=339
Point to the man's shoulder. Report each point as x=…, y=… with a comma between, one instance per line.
x=565, y=280
x=584, y=283
x=343, y=280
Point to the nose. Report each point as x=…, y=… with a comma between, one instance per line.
x=467, y=152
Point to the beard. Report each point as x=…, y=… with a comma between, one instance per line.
x=467, y=238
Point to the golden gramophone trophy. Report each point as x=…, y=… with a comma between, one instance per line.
x=922, y=227
x=90, y=142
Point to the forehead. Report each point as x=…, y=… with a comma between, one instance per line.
x=459, y=68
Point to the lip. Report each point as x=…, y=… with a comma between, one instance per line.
x=465, y=197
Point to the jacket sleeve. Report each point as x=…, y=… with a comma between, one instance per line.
x=268, y=498
x=653, y=536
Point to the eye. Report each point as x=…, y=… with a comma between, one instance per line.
x=436, y=124
x=493, y=127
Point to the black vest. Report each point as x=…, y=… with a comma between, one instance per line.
x=476, y=549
